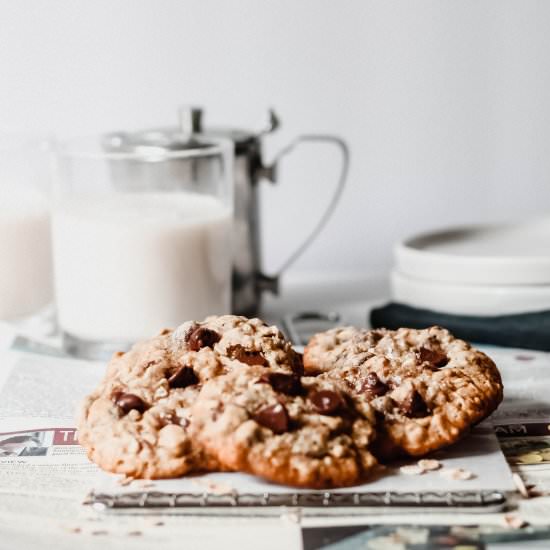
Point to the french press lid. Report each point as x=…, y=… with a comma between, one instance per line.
x=189, y=135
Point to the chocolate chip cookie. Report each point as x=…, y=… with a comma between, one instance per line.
x=223, y=343
x=334, y=346
x=135, y=423
x=427, y=387
x=138, y=421
x=304, y=432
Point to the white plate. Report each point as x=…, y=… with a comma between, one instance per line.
x=514, y=254
x=464, y=299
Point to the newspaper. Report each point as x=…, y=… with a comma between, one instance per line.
x=39, y=451
x=522, y=422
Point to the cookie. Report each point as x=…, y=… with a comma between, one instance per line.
x=427, y=387
x=296, y=431
x=137, y=422
x=134, y=423
x=223, y=343
x=329, y=348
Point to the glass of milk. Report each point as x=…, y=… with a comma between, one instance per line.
x=141, y=239
x=25, y=247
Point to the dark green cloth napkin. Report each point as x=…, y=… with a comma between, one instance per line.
x=523, y=330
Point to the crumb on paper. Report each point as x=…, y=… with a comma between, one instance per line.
x=412, y=470
x=459, y=474
x=214, y=487
x=125, y=480
x=72, y=529
x=429, y=464
x=514, y=521
x=520, y=485
x=144, y=483
x=150, y=522
x=524, y=357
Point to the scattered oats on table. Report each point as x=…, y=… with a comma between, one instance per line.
x=412, y=470
x=429, y=464
x=458, y=474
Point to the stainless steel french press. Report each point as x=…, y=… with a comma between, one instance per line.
x=248, y=279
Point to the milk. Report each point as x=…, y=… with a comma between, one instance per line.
x=25, y=252
x=128, y=265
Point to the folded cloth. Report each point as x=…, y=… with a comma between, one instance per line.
x=521, y=330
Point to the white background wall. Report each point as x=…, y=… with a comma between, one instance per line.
x=445, y=104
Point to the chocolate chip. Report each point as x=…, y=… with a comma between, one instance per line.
x=184, y=377
x=326, y=401
x=435, y=357
x=202, y=337
x=288, y=384
x=373, y=387
x=115, y=394
x=297, y=364
x=128, y=401
x=413, y=405
x=274, y=417
x=248, y=357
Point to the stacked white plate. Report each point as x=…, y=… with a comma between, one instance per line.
x=481, y=270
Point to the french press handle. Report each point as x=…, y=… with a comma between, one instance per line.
x=271, y=282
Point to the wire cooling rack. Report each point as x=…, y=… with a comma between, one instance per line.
x=315, y=503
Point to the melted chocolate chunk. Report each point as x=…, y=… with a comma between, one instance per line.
x=373, y=387
x=435, y=357
x=274, y=417
x=289, y=384
x=128, y=401
x=414, y=406
x=248, y=357
x=326, y=401
x=183, y=377
x=202, y=337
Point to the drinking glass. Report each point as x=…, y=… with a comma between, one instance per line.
x=141, y=239
x=25, y=247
